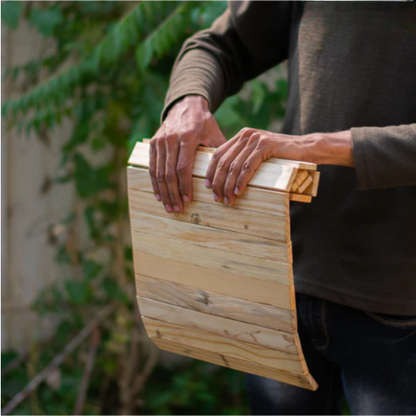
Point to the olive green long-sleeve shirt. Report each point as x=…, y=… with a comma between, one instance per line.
x=352, y=65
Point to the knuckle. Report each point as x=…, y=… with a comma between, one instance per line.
x=254, y=138
x=222, y=164
x=233, y=168
x=247, y=166
x=160, y=177
x=152, y=172
x=187, y=134
x=216, y=155
x=170, y=138
x=182, y=169
x=171, y=175
x=246, y=131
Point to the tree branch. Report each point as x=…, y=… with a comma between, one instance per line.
x=107, y=311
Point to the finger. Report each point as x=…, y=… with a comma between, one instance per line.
x=160, y=175
x=152, y=168
x=187, y=150
x=248, y=169
x=215, y=158
x=172, y=153
x=212, y=166
x=223, y=168
x=234, y=172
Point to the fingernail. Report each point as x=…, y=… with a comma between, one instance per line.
x=186, y=198
x=176, y=208
x=236, y=191
x=226, y=201
x=168, y=208
x=216, y=197
x=208, y=183
x=158, y=197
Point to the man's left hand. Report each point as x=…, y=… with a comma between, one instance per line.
x=235, y=162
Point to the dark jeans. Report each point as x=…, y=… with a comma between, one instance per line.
x=368, y=359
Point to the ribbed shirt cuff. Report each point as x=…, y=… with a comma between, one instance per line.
x=359, y=150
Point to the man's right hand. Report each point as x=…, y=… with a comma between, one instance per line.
x=188, y=124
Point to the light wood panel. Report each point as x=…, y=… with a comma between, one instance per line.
x=215, y=216
x=253, y=199
x=227, y=241
x=240, y=331
x=214, y=259
x=209, y=302
x=216, y=282
x=272, y=358
x=255, y=290
x=305, y=381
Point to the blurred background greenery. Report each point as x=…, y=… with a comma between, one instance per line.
x=108, y=73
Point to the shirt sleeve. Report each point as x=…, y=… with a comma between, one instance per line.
x=385, y=156
x=248, y=39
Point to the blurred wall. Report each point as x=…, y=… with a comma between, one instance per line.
x=31, y=204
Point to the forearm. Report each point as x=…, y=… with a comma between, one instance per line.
x=329, y=148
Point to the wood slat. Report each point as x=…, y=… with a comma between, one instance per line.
x=212, y=303
x=301, y=176
x=221, y=326
x=255, y=290
x=227, y=241
x=253, y=199
x=274, y=359
x=215, y=216
x=300, y=198
x=297, y=163
x=305, y=381
x=214, y=259
x=276, y=176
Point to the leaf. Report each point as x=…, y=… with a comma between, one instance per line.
x=112, y=289
x=78, y=291
x=163, y=37
x=91, y=269
x=46, y=20
x=10, y=13
x=88, y=180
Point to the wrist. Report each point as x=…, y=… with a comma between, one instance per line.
x=331, y=148
x=193, y=101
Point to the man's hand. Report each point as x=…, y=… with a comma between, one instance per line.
x=234, y=163
x=172, y=150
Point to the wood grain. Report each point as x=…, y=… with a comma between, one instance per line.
x=215, y=216
x=300, y=198
x=300, y=178
x=253, y=199
x=274, y=359
x=305, y=381
x=304, y=185
x=212, y=303
x=227, y=241
x=228, y=328
x=224, y=283
x=214, y=259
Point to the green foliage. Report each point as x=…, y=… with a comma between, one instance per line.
x=122, y=55
x=10, y=13
x=46, y=20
